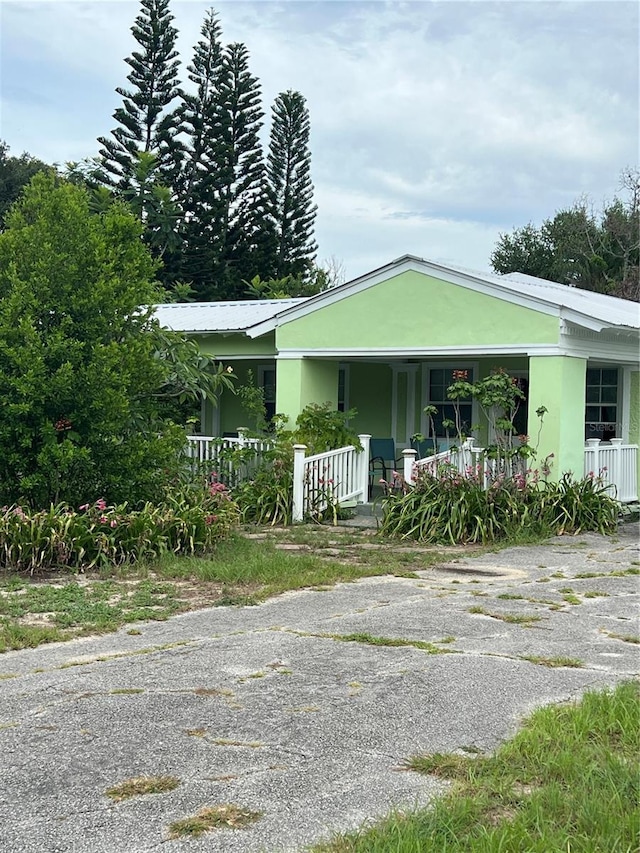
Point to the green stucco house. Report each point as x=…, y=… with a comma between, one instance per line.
x=386, y=344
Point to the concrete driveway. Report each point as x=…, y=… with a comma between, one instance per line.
x=265, y=707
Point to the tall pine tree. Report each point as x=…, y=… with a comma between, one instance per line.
x=147, y=120
x=289, y=188
x=240, y=173
x=198, y=187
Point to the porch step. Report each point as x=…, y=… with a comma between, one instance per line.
x=365, y=515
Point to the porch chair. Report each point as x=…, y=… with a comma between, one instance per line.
x=383, y=460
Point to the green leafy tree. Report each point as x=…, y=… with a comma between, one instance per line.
x=289, y=189
x=148, y=120
x=579, y=247
x=15, y=174
x=83, y=384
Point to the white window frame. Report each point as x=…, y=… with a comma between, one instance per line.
x=622, y=414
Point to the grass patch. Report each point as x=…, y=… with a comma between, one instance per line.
x=370, y=640
x=545, y=790
x=555, y=662
x=141, y=785
x=625, y=638
x=512, y=618
x=219, y=817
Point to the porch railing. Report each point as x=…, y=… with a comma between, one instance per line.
x=213, y=452
x=465, y=459
x=617, y=466
x=325, y=479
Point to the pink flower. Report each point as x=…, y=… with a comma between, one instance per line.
x=113, y=523
x=210, y=519
x=103, y=519
x=101, y=504
x=83, y=507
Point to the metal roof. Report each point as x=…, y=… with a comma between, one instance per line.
x=220, y=316
x=581, y=307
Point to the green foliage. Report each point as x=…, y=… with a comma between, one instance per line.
x=80, y=376
x=578, y=247
x=447, y=508
x=266, y=497
x=15, y=174
x=291, y=286
x=191, y=521
x=322, y=428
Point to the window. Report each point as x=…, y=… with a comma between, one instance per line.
x=439, y=380
x=267, y=381
x=601, y=413
x=343, y=389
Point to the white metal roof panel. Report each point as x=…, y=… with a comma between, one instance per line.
x=220, y=316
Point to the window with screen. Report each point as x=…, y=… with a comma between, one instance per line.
x=601, y=413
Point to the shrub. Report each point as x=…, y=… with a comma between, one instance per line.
x=191, y=521
x=449, y=508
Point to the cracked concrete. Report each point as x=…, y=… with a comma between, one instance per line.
x=292, y=722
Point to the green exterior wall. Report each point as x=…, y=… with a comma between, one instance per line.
x=558, y=384
x=415, y=310
x=370, y=388
x=300, y=381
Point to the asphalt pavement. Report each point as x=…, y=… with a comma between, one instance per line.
x=267, y=708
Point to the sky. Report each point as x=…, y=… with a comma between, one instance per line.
x=435, y=126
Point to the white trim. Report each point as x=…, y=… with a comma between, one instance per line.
x=625, y=403
x=423, y=352
x=256, y=356
x=410, y=403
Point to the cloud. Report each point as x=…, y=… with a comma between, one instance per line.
x=436, y=123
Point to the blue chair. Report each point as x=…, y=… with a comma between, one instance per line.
x=424, y=447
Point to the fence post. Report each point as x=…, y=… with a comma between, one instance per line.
x=363, y=469
x=298, y=482
x=615, y=474
x=593, y=444
x=409, y=457
x=242, y=435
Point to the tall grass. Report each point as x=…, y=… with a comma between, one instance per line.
x=569, y=781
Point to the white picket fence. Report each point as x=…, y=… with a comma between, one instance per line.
x=319, y=481
x=616, y=464
x=209, y=451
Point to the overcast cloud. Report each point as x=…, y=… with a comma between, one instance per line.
x=434, y=125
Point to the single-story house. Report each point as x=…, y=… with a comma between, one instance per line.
x=387, y=344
